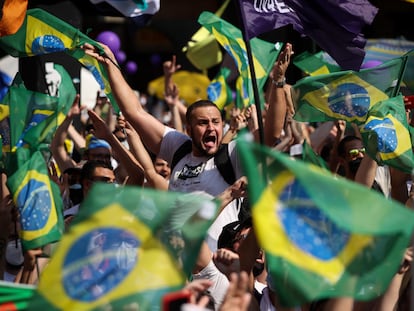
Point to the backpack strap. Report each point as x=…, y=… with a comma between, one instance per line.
x=221, y=160
x=223, y=163
x=184, y=149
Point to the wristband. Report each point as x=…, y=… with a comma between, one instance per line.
x=279, y=84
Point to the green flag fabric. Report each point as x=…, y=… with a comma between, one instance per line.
x=126, y=248
x=230, y=38
x=344, y=241
x=386, y=136
x=33, y=117
x=242, y=94
x=43, y=33
x=28, y=109
x=15, y=297
x=21, y=110
x=346, y=95
x=408, y=78
x=5, y=127
x=39, y=202
x=43, y=122
x=219, y=91
x=316, y=64
x=309, y=155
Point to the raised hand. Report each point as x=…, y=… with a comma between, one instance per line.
x=170, y=66
x=75, y=109
x=226, y=261
x=282, y=63
x=106, y=58
x=237, y=296
x=101, y=129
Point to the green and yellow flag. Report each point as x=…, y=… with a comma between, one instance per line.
x=17, y=110
x=408, y=77
x=14, y=297
x=219, y=91
x=5, y=127
x=386, y=136
x=202, y=50
x=44, y=120
x=344, y=241
x=231, y=39
x=346, y=95
x=39, y=202
x=242, y=94
x=316, y=64
x=28, y=109
x=126, y=248
x=43, y=33
x=309, y=155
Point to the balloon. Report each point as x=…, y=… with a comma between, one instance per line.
x=110, y=39
x=131, y=67
x=120, y=56
x=370, y=64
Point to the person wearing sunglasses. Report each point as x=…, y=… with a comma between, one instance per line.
x=351, y=153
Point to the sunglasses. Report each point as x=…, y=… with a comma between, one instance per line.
x=356, y=151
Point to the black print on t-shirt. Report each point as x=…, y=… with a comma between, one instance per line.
x=191, y=171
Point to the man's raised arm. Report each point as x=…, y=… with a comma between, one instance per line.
x=149, y=128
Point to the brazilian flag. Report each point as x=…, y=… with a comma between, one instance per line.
x=27, y=110
x=219, y=91
x=39, y=202
x=231, y=39
x=386, y=135
x=126, y=248
x=346, y=95
x=408, y=78
x=43, y=33
x=344, y=241
x=316, y=64
x=14, y=297
x=43, y=122
x=23, y=110
x=242, y=94
x=309, y=155
x=5, y=127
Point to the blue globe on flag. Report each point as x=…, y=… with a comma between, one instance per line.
x=47, y=44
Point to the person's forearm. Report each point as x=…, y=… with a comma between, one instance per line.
x=275, y=116
x=366, y=172
x=176, y=118
x=126, y=158
x=182, y=110
x=77, y=138
x=57, y=146
x=390, y=298
x=137, y=148
x=229, y=135
x=150, y=129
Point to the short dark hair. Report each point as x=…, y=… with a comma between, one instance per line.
x=89, y=167
x=198, y=104
x=341, y=145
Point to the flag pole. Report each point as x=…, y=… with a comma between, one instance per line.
x=251, y=68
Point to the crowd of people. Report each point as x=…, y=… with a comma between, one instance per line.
x=136, y=148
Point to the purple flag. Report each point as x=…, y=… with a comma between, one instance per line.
x=335, y=25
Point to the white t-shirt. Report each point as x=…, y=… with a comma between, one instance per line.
x=195, y=174
x=220, y=282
